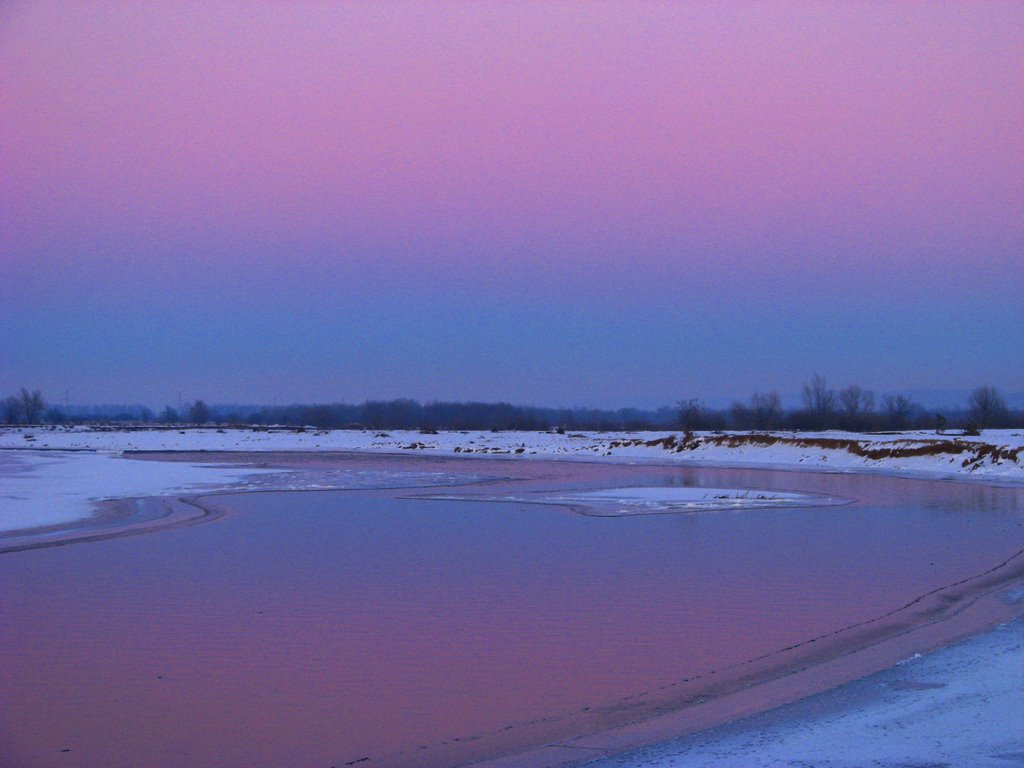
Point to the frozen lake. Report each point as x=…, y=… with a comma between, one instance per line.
x=313, y=629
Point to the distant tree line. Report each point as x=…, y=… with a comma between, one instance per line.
x=411, y=414
x=850, y=408
x=373, y=414
x=25, y=407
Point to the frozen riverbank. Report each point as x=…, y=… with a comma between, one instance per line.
x=41, y=488
x=55, y=490
x=960, y=707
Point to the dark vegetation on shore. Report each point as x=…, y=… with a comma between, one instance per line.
x=851, y=408
x=976, y=452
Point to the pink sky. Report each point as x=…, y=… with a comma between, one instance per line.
x=781, y=166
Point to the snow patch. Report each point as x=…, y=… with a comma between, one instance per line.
x=653, y=500
x=48, y=488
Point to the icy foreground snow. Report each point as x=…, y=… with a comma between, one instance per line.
x=960, y=707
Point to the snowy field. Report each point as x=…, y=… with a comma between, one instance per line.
x=961, y=706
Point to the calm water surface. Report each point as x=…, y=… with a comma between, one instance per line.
x=315, y=629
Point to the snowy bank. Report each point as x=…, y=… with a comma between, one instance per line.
x=55, y=475
x=39, y=489
x=995, y=454
x=960, y=706
x=47, y=488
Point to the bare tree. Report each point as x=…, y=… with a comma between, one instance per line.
x=819, y=404
x=742, y=417
x=764, y=412
x=854, y=401
x=13, y=410
x=690, y=414
x=986, y=407
x=199, y=412
x=818, y=398
x=766, y=409
x=32, y=405
x=898, y=410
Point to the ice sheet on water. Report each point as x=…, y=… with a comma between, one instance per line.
x=668, y=499
x=347, y=479
x=47, y=488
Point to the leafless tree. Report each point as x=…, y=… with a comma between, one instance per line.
x=898, y=410
x=854, y=401
x=32, y=405
x=741, y=416
x=818, y=398
x=856, y=408
x=12, y=410
x=986, y=407
x=766, y=409
x=199, y=412
x=690, y=414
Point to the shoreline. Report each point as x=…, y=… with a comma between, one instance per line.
x=762, y=691
x=237, y=463
x=74, y=466
x=956, y=706
x=698, y=707
x=112, y=520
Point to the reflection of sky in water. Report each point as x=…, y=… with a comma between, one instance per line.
x=316, y=628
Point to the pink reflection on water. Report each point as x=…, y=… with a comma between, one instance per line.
x=314, y=629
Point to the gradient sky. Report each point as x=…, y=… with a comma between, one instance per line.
x=552, y=203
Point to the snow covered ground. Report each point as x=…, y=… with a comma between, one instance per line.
x=961, y=707
x=53, y=475
x=828, y=450
x=46, y=488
